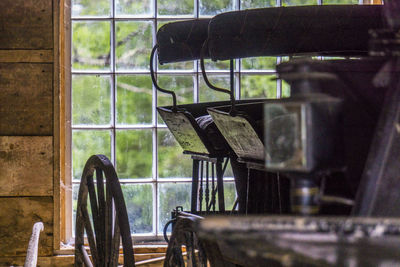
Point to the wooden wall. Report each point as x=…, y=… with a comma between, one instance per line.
x=29, y=125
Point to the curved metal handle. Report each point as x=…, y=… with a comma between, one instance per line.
x=153, y=78
x=226, y=91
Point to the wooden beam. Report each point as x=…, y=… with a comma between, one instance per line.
x=58, y=120
x=26, y=93
x=17, y=216
x=26, y=167
x=26, y=56
x=26, y=24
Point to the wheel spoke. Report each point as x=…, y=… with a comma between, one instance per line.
x=85, y=257
x=115, y=243
x=100, y=235
x=96, y=219
x=108, y=223
x=191, y=256
x=90, y=235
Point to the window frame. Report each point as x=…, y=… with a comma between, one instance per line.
x=66, y=21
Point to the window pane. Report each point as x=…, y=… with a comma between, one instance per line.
x=90, y=45
x=175, y=7
x=134, y=153
x=185, y=65
x=135, y=8
x=285, y=89
x=207, y=94
x=212, y=7
x=258, y=86
x=134, y=99
x=90, y=8
x=217, y=65
x=228, y=172
x=91, y=96
x=75, y=192
x=246, y=4
x=181, y=85
x=259, y=63
x=172, y=195
x=86, y=143
x=169, y=155
x=133, y=45
x=298, y=2
x=229, y=195
x=139, y=205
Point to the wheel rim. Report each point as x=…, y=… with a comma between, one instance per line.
x=109, y=221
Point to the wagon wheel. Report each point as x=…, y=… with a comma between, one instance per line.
x=108, y=220
x=184, y=234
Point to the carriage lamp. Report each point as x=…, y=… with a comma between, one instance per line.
x=302, y=138
x=301, y=133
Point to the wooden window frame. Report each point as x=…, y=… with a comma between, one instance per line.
x=62, y=119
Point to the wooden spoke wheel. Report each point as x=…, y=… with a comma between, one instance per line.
x=106, y=223
x=183, y=234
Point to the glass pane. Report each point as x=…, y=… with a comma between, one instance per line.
x=90, y=45
x=217, y=65
x=259, y=63
x=246, y=4
x=181, y=85
x=185, y=65
x=207, y=94
x=91, y=96
x=86, y=143
x=229, y=195
x=299, y=2
x=228, y=171
x=75, y=192
x=172, y=195
x=90, y=8
x=285, y=89
x=137, y=7
x=133, y=45
x=134, y=153
x=258, y=86
x=134, y=99
x=285, y=59
x=212, y=7
x=175, y=7
x=139, y=205
x=169, y=153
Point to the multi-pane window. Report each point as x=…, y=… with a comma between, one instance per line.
x=113, y=109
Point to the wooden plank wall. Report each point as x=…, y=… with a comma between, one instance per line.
x=28, y=124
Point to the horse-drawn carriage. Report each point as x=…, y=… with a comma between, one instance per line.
x=331, y=148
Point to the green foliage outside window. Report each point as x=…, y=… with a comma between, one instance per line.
x=91, y=45
x=175, y=7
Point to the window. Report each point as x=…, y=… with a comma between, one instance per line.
x=113, y=102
